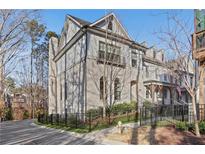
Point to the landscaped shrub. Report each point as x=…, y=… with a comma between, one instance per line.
x=8, y=114
x=25, y=114
x=95, y=112
x=122, y=108
x=182, y=126
x=191, y=127
x=147, y=104
x=202, y=127
x=72, y=120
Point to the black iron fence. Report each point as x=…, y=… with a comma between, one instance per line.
x=144, y=116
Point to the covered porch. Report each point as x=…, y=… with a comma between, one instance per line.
x=159, y=92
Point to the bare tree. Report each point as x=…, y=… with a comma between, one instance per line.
x=12, y=39
x=115, y=72
x=176, y=37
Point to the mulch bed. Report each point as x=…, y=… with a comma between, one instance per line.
x=157, y=136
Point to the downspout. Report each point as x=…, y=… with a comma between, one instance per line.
x=56, y=95
x=85, y=70
x=65, y=87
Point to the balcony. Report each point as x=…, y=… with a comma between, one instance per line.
x=198, y=45
x=153, y=60
x=111, y=59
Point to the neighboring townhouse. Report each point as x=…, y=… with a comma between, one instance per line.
x=162, y=84
x=97, y=63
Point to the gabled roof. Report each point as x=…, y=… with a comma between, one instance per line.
x=79, y=21
x=114, y=16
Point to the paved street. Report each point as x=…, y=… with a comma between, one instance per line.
x=26, y=132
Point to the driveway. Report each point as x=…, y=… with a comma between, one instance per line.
x=26, y=132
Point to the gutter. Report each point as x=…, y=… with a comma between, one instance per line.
x=73, y=40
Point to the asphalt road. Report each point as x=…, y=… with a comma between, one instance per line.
x=27, y=133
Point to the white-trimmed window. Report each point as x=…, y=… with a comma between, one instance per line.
x=117, y=89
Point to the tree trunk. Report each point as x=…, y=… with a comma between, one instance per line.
x=1, y=77
x=195, y=116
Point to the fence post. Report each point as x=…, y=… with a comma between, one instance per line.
x=57, y=119
x=183, y=112
x=51, y=119
x=151, y=116
x=46, y=118
x=66, y=117
x=173, y=110
x=155, y=116
x=140, y=116
x=145, y=115
x=90, y=125
x=39, y=118
x=161, y=112
x=76, y=120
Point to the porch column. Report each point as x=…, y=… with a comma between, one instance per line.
x=201, y=91
x=161, y=92
x=152, y=92
x=171, y=95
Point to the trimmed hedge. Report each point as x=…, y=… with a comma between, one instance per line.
x=202, y=127
x=116, y=109
x=184, y=126
x=122, y=108
x=25, y=114
x=147, y=104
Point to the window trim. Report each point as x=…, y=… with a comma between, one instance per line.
x=117, y=90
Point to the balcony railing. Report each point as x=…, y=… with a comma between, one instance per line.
x=111, y=59
x=198, y=45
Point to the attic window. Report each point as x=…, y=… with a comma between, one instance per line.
x=154, y=54
x=110, y=25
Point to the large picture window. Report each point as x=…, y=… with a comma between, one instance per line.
x=61, y=93
x=134, y=63
x=109, y=52
x=102, y=88
x=147, y=92
x=117, y=89
x=147, y=71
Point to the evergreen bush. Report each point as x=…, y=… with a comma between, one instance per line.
x=25, y=114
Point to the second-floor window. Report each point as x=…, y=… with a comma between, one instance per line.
x=165, y=77
x=117, y=92
x=180, y=80
x=162, y=57
x=103, y=89
x=165, y=93
x=191, y=81
x=61, y=93
x=110, y=25
x=156, y=73
x=147, y=93
x=147, y=72
x=154, y=54
x=134, y=63
x=134, y=59
x=66, y=90
x=109, y=52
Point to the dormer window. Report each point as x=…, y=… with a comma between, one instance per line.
x=162, y=57
x=154, y=54
x=110, y=25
